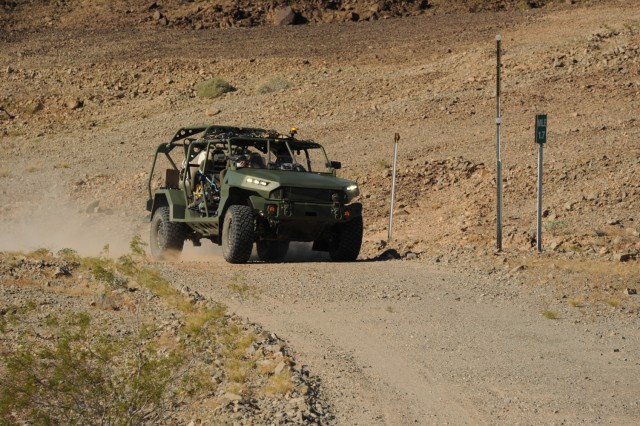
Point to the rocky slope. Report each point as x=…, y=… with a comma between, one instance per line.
x=203, y=14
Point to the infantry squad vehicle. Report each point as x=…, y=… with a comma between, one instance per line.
x=243, y=186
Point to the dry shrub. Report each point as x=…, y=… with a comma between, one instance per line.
x=272, y=84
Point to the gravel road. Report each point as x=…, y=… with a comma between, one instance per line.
x=414, y=342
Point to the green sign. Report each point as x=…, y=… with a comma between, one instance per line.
x=541, y=128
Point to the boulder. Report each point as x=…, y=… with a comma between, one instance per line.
x=284, y=16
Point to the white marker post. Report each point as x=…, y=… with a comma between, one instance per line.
x=541, y=139
x=396, y=138
x=498, y=157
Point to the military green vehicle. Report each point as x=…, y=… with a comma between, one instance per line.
x=239, y=186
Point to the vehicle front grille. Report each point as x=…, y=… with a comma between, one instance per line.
x=309, y=195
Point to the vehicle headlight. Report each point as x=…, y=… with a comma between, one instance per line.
x=352, y=191
x=256, y=181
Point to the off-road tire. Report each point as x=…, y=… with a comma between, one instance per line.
x=272, y=251
x=238, y=234
x=348, y=240
x=167, y=238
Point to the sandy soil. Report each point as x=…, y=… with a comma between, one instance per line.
x=455, y=335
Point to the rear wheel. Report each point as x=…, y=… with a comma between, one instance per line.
x=348, y=240
x=272, y=251
x=167, y=238
x=238, y=234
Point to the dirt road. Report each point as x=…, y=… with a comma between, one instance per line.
x=413, y=342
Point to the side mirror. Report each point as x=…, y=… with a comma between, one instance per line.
x=336, y=165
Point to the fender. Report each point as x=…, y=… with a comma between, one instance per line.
x=174, y=198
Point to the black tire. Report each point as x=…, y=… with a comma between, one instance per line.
x=167, y=238
x=238, y=234
x=348, y=240
x=272, y=251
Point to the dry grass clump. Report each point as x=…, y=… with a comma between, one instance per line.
x=613, y=302
x=576, y=302
x=213, y=88
x=548, y=314
x=272, y=84
x=241, y=289
x=32, y=107
x=279, y=383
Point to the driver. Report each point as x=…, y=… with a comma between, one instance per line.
x=252, y=160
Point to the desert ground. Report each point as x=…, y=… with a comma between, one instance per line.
x=435, y=326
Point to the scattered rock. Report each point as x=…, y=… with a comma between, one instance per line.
x=624, y=257
x=389, y=254
x=410, y=256
x=93, y=207
x=74, y=103
x=62, y=271
x=284, y=16
x=212, y=112
x=517, y=269
x=104, y=301
x=352, y=17
x=280, y=367
x=630, y=291
x=231, y=397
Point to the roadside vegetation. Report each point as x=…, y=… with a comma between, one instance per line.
x=122, y=346
x=272, y=84
x=213, y=88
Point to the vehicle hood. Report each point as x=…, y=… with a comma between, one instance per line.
x=277, y=178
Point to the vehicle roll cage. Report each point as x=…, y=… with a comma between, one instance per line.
x=228, y=136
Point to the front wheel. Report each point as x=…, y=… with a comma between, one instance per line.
x=272, y=251
x=348, y=240
x=238, y=234
x=167, y=238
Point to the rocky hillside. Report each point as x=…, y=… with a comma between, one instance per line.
x=17, y=15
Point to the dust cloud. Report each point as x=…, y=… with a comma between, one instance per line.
x=298, y=252
x=55, y=227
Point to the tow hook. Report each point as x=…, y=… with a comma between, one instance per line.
x=287, y=208
x=337, y=210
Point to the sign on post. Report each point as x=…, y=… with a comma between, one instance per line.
x=541, y=139
x=541, y=128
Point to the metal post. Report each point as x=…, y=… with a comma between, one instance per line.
x=541, y=139
x=539, y=221
x=498, y=157
x=396, y=138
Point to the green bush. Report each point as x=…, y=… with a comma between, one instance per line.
x=213, y=88
x=84, y=378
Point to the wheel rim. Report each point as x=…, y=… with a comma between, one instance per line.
x=229, y=233
x=160, y=237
